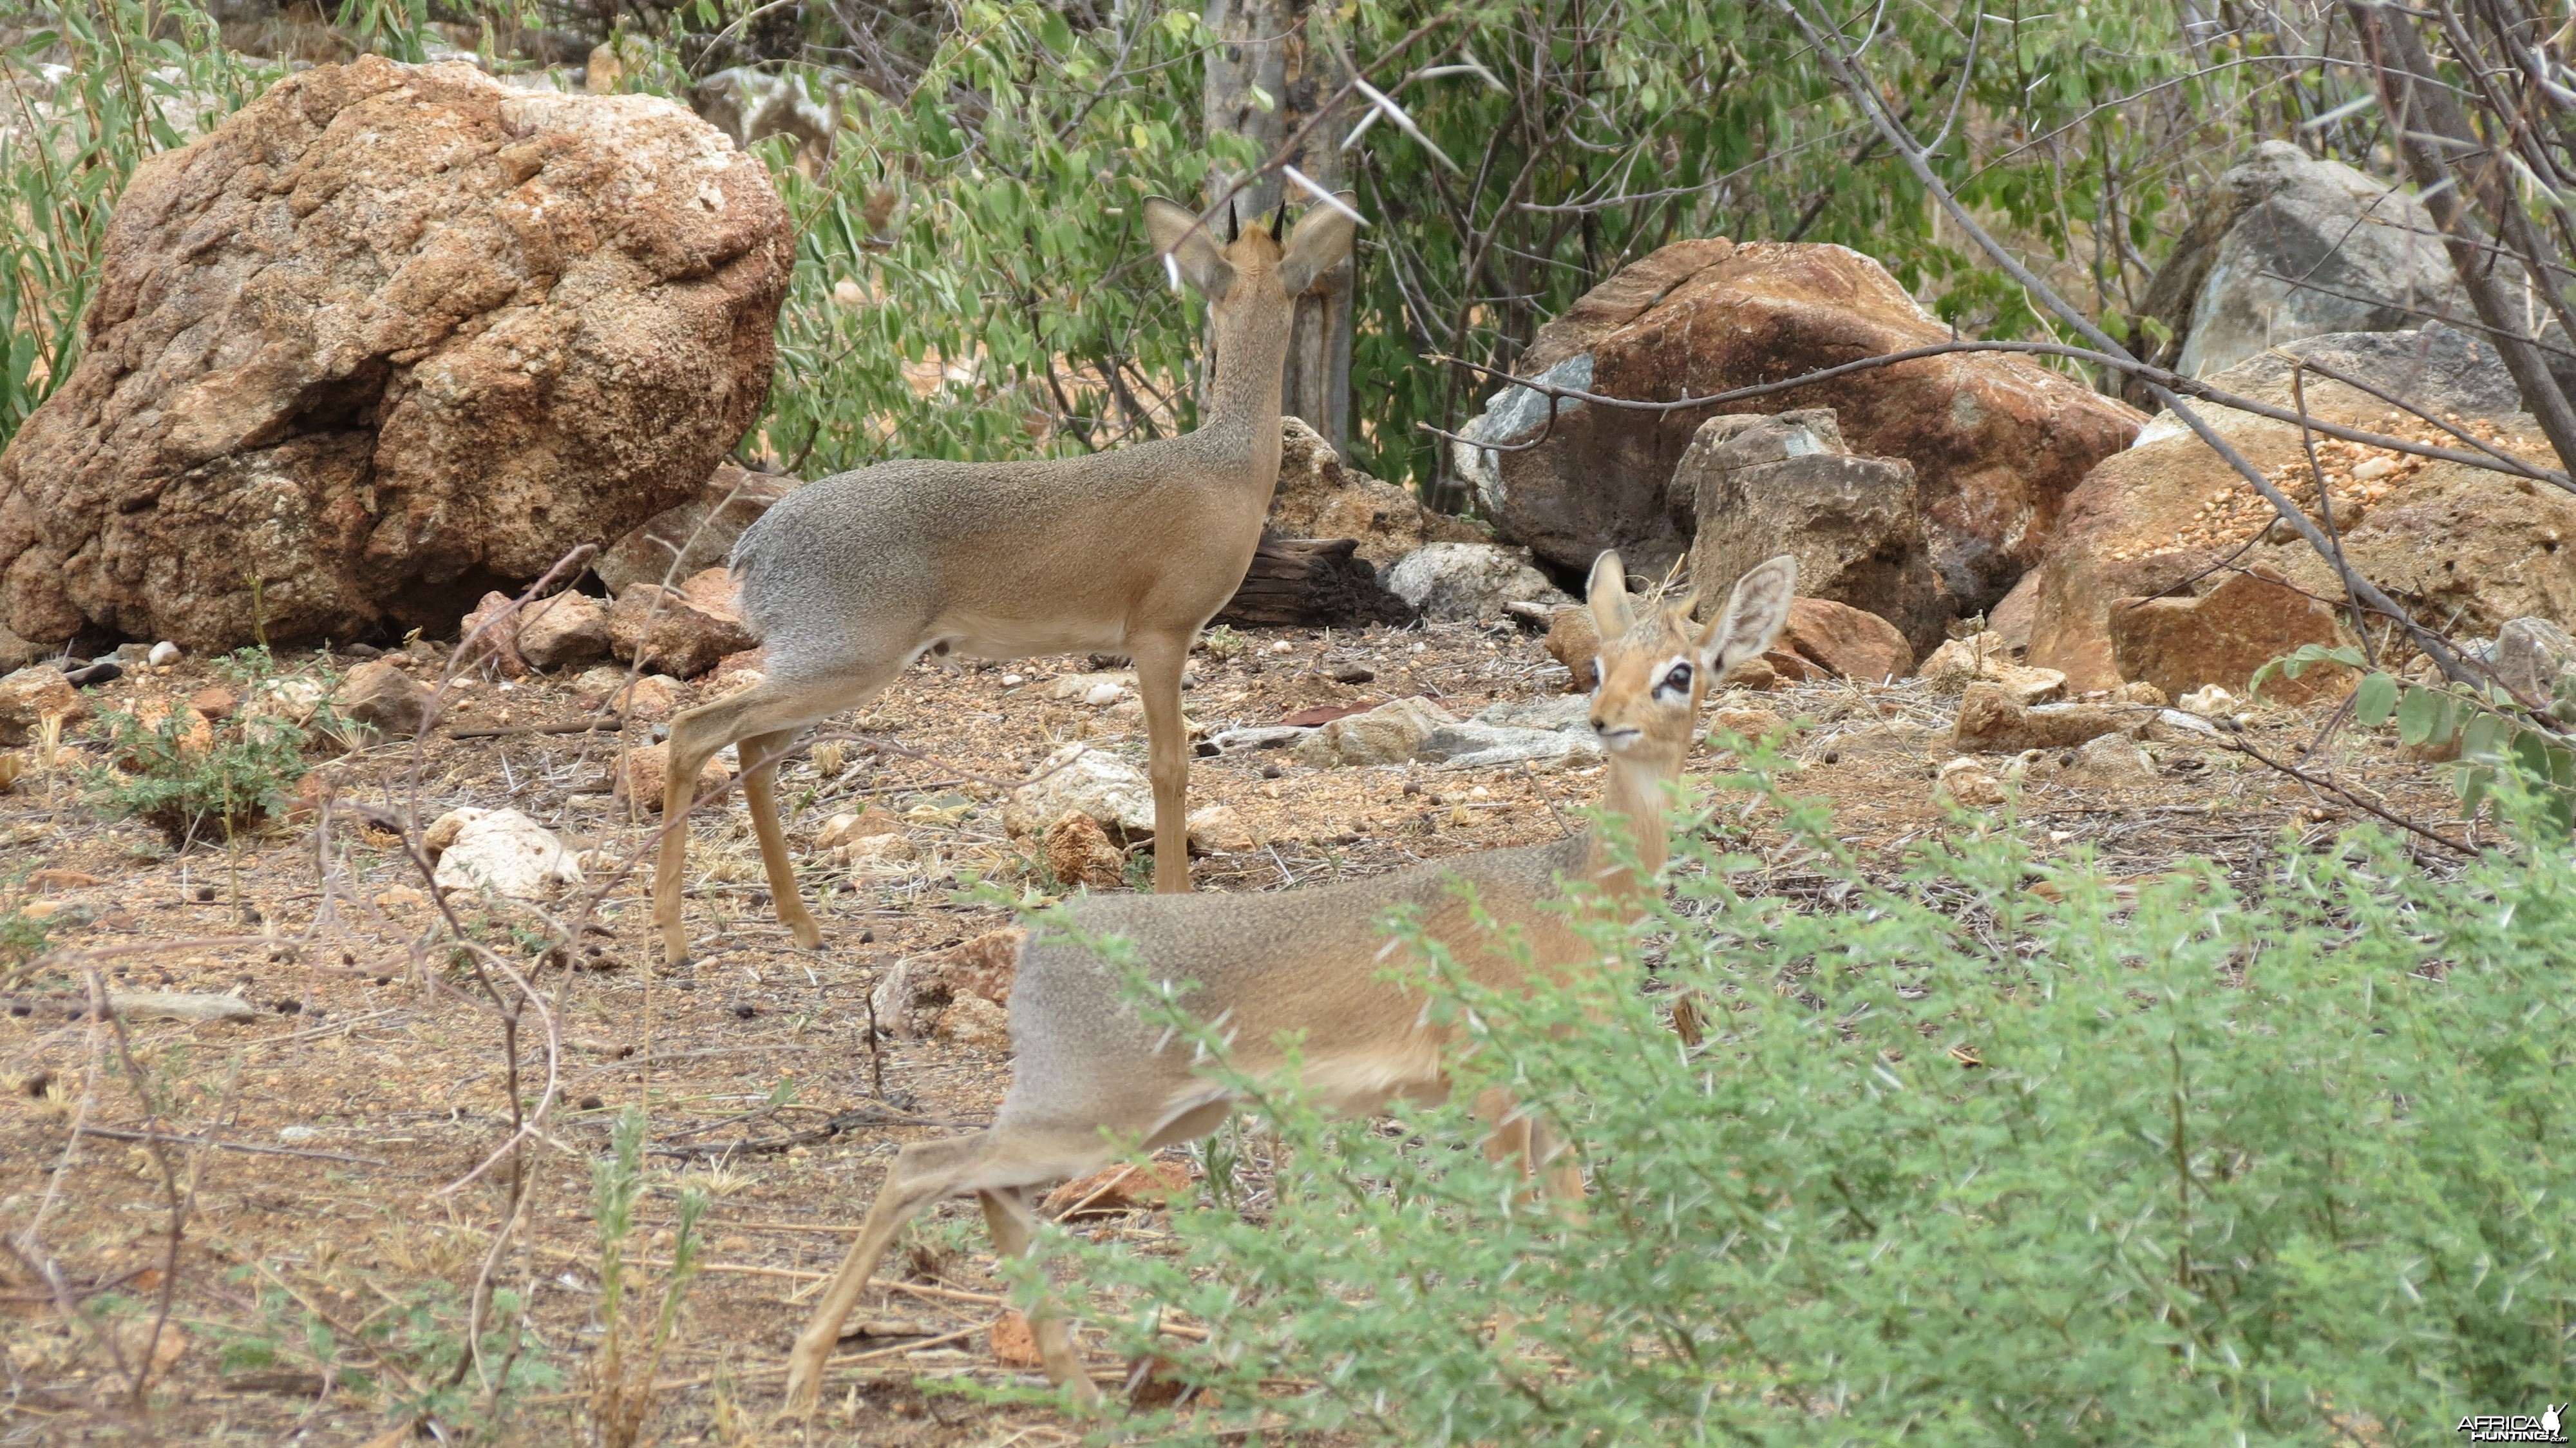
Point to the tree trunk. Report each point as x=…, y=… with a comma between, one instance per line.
x=1310, y=582
x=1262, y=45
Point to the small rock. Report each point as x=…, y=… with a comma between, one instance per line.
x=293, y=699
x=1847, y=642
x=384, y=698
x=1352, y=674
x=1102, y=695
x=2209, y=702
x=643, y=773
x=1387, y=734
x=1961, y=662
x=508, y=854
x=1448, y=581
x=1014, y=1341
x=887, y=855
x=564, y=632
x=653, y=698
x=1078, y=852
x=1750, y=723
x=1091, y=781
x=1084, y=686
x=442, y=831
x=69, y=915
x=2535, y=658
x=921, y=986
x=2137, y=691
x=2110, y=760
x=1217, y=830
x=845, y=829
x=215, y=702
x=683, y=631
x=1991, y=722
x=1235, y=741
x=489, y=638
x=401, y=897
x=1564, y=715
x=181, y=1006
x=33, y=695
x=975, y=1023
x=1115, y=1189
x=1475, y=744
x=1754, y=674
x=163, y=655
x=1968, y=782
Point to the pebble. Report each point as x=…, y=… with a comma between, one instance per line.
x=163, y=655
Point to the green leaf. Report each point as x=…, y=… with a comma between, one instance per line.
x=2483, y=741
x=2417, y=714
x=1056, y=32
x=2374, y=699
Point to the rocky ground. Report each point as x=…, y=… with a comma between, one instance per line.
x=324, y=1150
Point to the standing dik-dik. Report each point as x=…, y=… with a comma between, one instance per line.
x=1089, y=1078
x=1131, y=551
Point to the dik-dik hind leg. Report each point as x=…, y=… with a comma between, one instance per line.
x=760, y=755
x=919, y=1175
x=1014, y=1227
x=1545, y=1162
x=771, y=707
x=1158, y=683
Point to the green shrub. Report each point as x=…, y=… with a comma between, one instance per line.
x=200, y=785
x=1959, y=1162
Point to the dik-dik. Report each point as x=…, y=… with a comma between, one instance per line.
x=852, y=578
x=1089, y=1078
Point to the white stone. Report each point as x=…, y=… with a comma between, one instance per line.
x=1468, y=580
x=505, y=853
x=1387, y=734
x=163, y=655
x=2209, y=702
x=1217, y=830
x=1078, y=777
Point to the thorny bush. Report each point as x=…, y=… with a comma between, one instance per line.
x=1961, y=1160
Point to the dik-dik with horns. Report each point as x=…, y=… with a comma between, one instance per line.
x=1090, y=1077
x=851, y=579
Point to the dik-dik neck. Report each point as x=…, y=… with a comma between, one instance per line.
x=1243, y=399
x=1633, y=792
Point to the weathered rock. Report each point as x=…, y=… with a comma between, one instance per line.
x=652, y=698
x=1468, y=580
x=388, y=337
x=382, y=697
x=443, y=830
x=644, y=771
x=2459, y=545
x=1967, y=782
x=17, y=653
x=1749, y=723
x=564, y=632
x=1961, y=662
x=975, y=1024
x=688, y=538
x=506, y=853
x=1996, y=442
x=2223, y=636
x=2287, y=246
x=845, y=829
x=2012, y=617
x=1321, y=496
x=30, y=696
x=1991, y=723
x=1217, y=830
x=488, y=638
x=1761, y=486
x=215, y=701
x=1756, y=674
x=1475, y=744
x=1573, y=640
x=1387, y=734
x=1120, y=1188
x=1088, y=781
x=680, y=631
x=1078, y=852
x=2535, y=658
x=1846, y=642
x=918, y=989
x=2109, y=761
x=180, y=1006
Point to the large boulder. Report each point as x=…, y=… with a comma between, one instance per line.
x=1996, y=441
x=390, y=337
x=1767, y=485
x=2463, y=548
x=2224, y=636
x=1321, y=496
x=693, y=536
x=2287, y=246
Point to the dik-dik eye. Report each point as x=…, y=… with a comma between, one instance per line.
x=1676, y=680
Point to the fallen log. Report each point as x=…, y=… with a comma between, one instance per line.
x=1310, y=582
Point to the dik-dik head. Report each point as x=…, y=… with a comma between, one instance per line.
x=1250, y=275
x=1655, y=664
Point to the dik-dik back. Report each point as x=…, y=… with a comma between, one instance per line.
x=1305, y=960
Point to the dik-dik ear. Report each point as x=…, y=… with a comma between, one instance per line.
x=1178, y=234
x=1607, y=592
x=1320, y=242
x=1754, y=614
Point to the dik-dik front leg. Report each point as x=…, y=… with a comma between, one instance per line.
x=1158, y=683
